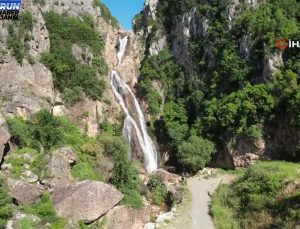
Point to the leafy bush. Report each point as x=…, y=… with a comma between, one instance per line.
x=124, y=175
x=111, y=129
x=46, y=212
x=158, y=190
x=195, y=153
x=223, y=203
x=6, y=210
x=259, y=198
x=42, y=130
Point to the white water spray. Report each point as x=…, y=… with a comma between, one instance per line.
x=123, y=43
x=121, y=89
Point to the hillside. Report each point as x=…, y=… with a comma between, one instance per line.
x=99, y=127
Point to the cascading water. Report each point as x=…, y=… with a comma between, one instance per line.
x=121, y=89
x=123, y=43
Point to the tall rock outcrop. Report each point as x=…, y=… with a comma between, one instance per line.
x=193, y=31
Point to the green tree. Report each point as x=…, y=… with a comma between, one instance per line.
x=175, y=119
x=195, y=153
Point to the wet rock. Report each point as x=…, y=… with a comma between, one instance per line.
x=86, y=200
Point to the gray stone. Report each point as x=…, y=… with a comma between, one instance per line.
x=59, y=167
x=23, y=193
x=126, y=217
x=29, y=176
x=86, y=200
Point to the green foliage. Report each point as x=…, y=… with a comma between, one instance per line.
x=100, y=65
x=42, y=130
x=18, y=162
x=175, y=119
x=45, y=211
x=27, y=223
x=257, y=189
x=195, y=153
x=71, y=77
x=110, y=129
x=162, y=68
x=105, y=13
x=85, y=171
x=41, y=133
x=228, y=95
x=6, y=210
x=20, y=35
x=26, y=21
x=257, y=199
x=222, y=203
x=158, y=190
x=124, y=174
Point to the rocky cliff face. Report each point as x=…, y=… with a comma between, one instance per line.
x=193, y=25
x=27, y=86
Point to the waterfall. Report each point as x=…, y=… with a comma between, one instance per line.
x=122, y=48
x=120, y=90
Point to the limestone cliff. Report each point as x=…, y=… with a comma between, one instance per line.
x=190, y=31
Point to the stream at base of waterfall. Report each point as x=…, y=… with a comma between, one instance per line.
x=120, y=89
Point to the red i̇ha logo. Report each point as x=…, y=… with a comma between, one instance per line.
x=282, y=44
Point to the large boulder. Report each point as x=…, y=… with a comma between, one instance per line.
x=126, y=217
x=59, y=167
x=86, y=200
x=243, y=152
x=22, y=192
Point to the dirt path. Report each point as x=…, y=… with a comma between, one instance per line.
x=194, y=212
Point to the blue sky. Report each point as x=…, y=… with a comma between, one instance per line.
x=124, y=10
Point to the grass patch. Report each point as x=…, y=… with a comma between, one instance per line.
x=223, y=215
x=260, y=198
x=6, y=210
x=46, y=212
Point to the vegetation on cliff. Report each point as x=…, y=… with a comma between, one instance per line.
x=71, y=76
x=20, y=35
x=229, y=94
